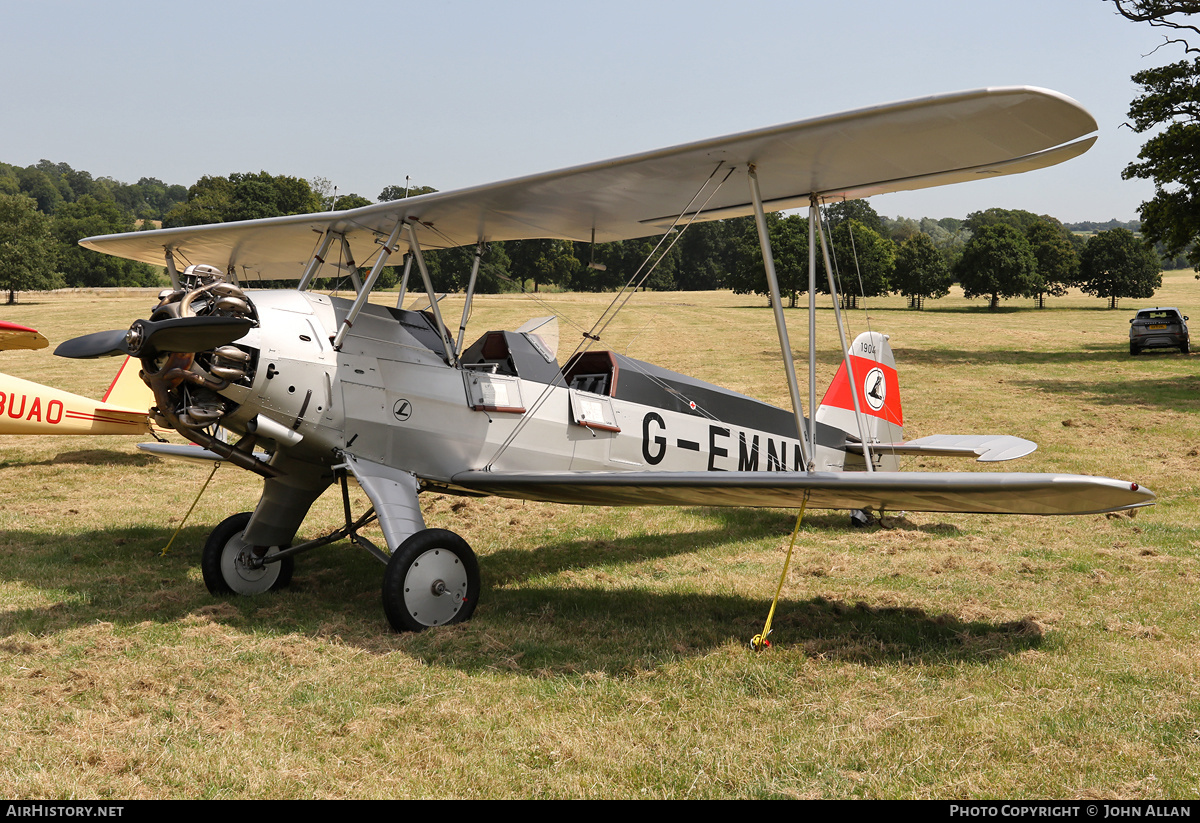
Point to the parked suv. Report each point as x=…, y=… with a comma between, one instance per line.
x=1158, y=328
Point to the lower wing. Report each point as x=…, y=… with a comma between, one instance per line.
x=968, y=492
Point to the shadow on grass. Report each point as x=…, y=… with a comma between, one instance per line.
x=593, y=622
x=90, y=457
x=948, y=357
x=1161, y=391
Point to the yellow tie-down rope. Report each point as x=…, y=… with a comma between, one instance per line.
x=760, y=641
x=167, y=548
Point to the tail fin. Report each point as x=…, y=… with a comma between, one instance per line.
x=878, y=399
x=128, y=389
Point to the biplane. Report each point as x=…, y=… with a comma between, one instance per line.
x=318, y=390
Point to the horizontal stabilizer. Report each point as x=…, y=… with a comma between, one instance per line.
x=967, y=492
x=984, y=447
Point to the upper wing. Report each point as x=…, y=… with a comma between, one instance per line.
x=915, y=144
x=968, y=492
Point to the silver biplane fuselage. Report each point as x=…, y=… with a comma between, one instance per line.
x=390, y=397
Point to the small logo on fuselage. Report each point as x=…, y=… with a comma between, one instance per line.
x=402, y=410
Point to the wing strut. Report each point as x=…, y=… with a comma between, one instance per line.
x=785, y=346
x=315, y=262
x=365, y=291
x=414, y=248
x=837, y=313
x=408, y=258
x=172, y=272
x=462, y=325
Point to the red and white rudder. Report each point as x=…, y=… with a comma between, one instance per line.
x=878, y=401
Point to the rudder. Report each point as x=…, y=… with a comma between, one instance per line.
x=878, y=399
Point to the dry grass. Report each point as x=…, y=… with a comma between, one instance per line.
x=941, y=656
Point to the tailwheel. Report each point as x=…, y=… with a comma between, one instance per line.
x=230, y=565
x=432, y=579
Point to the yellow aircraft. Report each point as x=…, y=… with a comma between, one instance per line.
x=31, y=408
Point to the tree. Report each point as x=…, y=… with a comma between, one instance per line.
x=1116, y=265
x=26, y=247
x=789, y=246
x=350, y=201
x=38, y=185
x=998, y=263
x=1171, y=158
x=400, y=192
x=700, y=252
x=1169, y=105
x=863, y=261
x=1161, y=14
x=543, y=261
x=859, y=210
x=1057, y=263
x=243, y=196
x=1019, y=219
x=88, y=217
x=921, y=271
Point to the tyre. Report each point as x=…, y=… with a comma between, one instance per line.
x=228, y=565
x=1133, y=350
x=1186, y=348
x=431, y=580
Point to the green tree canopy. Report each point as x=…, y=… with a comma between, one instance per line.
x=921, y=271
x=87, y=217
x=400, y=192
x=1116, y=264
x=789, y=246
x=859, y=210
x=1170, y=105
x=1057, y=262
x=1019, y=219
x=243, y=196
x=350, y=201
x=27, y=248
x=863, y=260
x=998, y=262
x=542, y=261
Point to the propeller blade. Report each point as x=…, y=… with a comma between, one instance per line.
x=188, y=334
x=147, y=337
x=98, y=344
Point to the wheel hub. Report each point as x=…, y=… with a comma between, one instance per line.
x=435, y=587
x=245, y=573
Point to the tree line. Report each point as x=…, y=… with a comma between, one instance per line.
x=996, y=254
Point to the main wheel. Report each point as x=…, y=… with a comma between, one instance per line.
x=431, y=580
x=229, y=566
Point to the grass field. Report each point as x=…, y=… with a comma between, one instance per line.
x=941, y=656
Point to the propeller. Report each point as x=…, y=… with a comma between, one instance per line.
x=148, y=337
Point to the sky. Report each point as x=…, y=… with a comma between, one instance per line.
x=455, y=93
